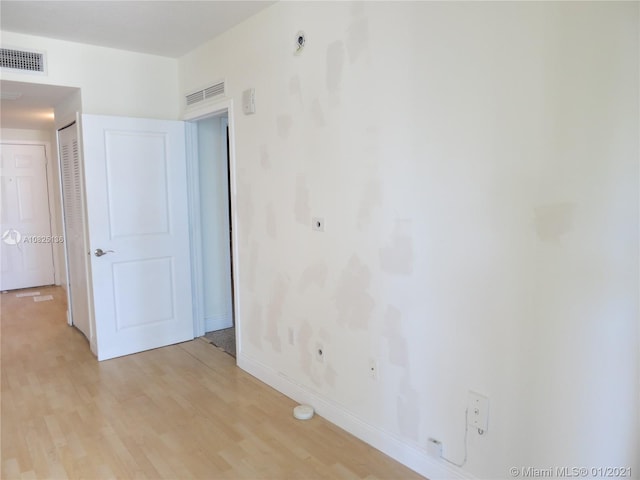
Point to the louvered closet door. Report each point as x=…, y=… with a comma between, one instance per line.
x=73, y=208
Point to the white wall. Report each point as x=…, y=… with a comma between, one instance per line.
x=19, y=134
x=48, y=139
x=113, y=82
x=477, y=167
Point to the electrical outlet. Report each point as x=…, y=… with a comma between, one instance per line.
x=478, y=411
x=320, y=353
x=317, y=224
x=373, y=368
x=434, y=447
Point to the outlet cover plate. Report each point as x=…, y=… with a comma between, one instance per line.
x=373, y=368
x=434, y=448
x=478, y=411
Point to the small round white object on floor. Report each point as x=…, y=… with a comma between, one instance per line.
x=303, y=412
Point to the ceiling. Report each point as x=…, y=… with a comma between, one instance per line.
x=165, y=28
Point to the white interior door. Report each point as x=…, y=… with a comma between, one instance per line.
x=136, y=197
x=74, y=226
x=26, y=247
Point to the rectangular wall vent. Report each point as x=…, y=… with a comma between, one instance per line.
x=22, y=60
x=205, y=94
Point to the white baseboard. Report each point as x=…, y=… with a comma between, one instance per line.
x=386, y=442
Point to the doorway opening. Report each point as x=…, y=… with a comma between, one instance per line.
x=29, y=115
x=213, y=235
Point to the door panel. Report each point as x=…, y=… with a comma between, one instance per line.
x=149, y=215
x=137, y=283
x=135, y=173
x=26, y=250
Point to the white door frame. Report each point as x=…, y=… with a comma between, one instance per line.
x=205, y=111
x=53, y=214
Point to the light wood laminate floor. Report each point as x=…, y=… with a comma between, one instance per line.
x=179, y=412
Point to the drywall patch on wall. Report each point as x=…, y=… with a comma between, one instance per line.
x=283, y=125
x=255, y=332
x=357, y=38
x=295, y=88
x=397, y=344
x=409, y=409
x=335, y=64
x=305, y=332
x=397, y=256
x=275, y=308
x=254, y=253
x=330, y=376
x=313, y=275
x=408, y=403
x=271, y=221
x=245, y=211
x=317, y=115
x=371, y=198
x=264, y=157
x=324, y=335
x=353, y=301
x=318, y=373
x=553, y=221
x=301, y=209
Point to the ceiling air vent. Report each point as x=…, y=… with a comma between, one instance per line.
x=22, y=60
x=205, y=94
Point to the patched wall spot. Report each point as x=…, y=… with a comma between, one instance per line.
x=353, y=301
x=295, y=87
x=408, y=410
x=371, y=198
x=270, y=218
x=305, y=332
x=301, y=208
x=275, y=310
x=264, y=158
x=283, y=125
x=397, y=256
x=254, y=255
x=553, y=221
x=330, y=376
x=357, y=38
x=317, y=115
x=245, y=211
x=396, y=342
x=255, y=330
x=335, y=63
x=313, y=275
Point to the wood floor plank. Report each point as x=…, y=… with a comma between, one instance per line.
x=180, y=412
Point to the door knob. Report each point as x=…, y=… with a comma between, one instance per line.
x=99, y=252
